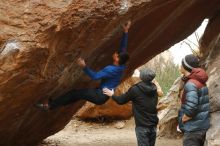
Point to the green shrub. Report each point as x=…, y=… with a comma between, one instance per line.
x=166, y=70
x=167, y=75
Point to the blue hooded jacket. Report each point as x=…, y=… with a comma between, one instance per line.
x=110, y=75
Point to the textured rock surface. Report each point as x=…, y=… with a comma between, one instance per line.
x=168, y=110
x=41, y=39
x=210, y=44
x=213, y=134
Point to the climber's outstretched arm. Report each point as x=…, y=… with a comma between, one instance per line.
x=124, y=39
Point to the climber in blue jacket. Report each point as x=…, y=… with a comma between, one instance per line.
x=110, y=77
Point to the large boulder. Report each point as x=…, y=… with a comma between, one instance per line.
x=40, y=41
x=210, y=45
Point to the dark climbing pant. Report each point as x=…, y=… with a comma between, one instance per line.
x=196, y=138
x=93, y=95
x=146, y=136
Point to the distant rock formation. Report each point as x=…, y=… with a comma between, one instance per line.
x=40, y=41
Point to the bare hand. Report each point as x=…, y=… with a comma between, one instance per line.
x=81, y=62
x=108, y=92
x=185, y=118
x=126, y=26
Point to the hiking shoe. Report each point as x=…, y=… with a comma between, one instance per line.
x=44, y=107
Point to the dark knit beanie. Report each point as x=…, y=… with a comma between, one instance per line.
x=147, y=75
x=189, y=62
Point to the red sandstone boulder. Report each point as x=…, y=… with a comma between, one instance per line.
x=40, y=41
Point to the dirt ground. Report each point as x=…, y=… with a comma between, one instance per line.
x=120, y=133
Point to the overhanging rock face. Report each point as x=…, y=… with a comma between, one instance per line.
x=40, y=41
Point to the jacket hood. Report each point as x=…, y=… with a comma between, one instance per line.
x=198, y=74
x=147, y=87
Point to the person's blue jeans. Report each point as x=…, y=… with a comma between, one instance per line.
x=92, y=95
x=146, y=136
x=195, y=138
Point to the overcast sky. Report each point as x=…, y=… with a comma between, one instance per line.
x=179, y=51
